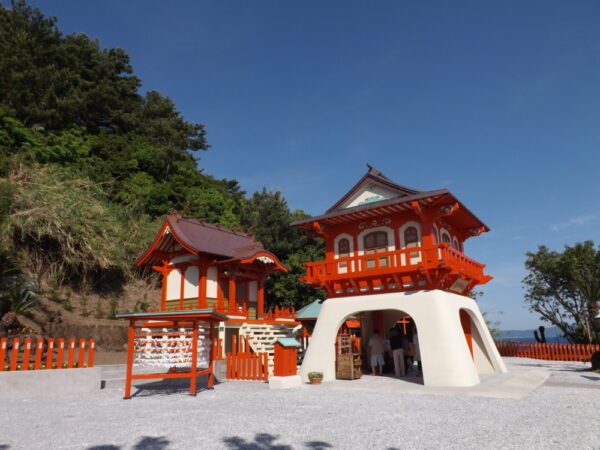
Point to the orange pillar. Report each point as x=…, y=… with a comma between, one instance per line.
x=232, y=305
x=129, y=371
x=260, y=294
x=202, y=304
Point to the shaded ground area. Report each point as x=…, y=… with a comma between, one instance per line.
x=246, y=415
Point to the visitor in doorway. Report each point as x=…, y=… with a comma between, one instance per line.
x=397, y=352
x=417, y=353
x=376, y=349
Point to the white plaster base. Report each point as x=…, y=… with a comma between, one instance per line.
x=445, y=355
x=290, y=382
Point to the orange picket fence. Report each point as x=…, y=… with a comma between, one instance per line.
x=25, y=354
x=244, y=364
x=551, y=352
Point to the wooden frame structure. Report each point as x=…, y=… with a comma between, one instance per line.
x=190, y=319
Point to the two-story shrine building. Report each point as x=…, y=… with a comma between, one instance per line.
x=393, y=251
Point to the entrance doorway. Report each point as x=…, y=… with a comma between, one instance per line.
x=396, y=334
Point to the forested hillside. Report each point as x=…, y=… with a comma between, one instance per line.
x=89, y=165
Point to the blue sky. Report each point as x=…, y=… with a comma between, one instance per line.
x=497, y=101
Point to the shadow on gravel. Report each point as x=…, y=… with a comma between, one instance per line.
x=145, y=443
x=4, y=447
x=168, y=386
x=265, y=441
x=554, y=368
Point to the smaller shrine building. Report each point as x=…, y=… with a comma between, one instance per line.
x=207, y=266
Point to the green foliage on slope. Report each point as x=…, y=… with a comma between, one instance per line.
x=89, y=166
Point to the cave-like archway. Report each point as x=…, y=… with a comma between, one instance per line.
x=445, y=354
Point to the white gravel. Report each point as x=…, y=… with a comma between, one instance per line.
x=563, y=413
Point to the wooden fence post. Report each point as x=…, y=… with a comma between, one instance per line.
x=71, y=353
x=49, y=353
x=91, y=350
x=81, y=356
x=2, y=353
x=14, y=355
x=26, y=354
x=39, y=349
x=61, y=352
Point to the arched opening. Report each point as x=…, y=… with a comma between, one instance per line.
x=393, y=351
x=343, y=251
x=473, y=335
x=436, y=235
x=455, y=245
x=446, y=237
x=410, y=237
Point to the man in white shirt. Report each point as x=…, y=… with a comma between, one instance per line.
x=377, y=349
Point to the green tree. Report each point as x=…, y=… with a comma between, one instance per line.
x=563, y=288
x=268, y=215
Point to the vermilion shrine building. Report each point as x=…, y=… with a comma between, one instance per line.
x=207, y=266
x=393, y=251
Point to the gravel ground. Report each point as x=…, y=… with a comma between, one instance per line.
x=563, y=413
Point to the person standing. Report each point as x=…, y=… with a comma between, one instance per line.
x=397, y=352
x=377, y=349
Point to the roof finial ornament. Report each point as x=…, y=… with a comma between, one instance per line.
x=373, y=170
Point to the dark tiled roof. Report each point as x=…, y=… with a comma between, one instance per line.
x=214, y=239
x=197, y=237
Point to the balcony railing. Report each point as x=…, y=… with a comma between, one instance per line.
x=397, y=261
x=238, y=310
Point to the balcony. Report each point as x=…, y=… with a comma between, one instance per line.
x=437, y=267
x=240, y=311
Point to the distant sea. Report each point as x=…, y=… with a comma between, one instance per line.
x=553, y=336
x=554, y=340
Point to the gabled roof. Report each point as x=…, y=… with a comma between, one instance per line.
x=197, y=236
x=373, y=177
x=343, y=211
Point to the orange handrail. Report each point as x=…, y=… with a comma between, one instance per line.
x=407, y=258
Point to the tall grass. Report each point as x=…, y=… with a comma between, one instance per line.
x=63, y=228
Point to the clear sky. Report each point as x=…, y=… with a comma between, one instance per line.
x=497, y=101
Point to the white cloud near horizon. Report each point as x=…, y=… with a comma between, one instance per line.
x=574, y=221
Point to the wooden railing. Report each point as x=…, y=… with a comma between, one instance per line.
x=243, y=364
x=24, y=354
x=237, y=310
x=393, y=261
x=281, y=313
x=551, y=352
